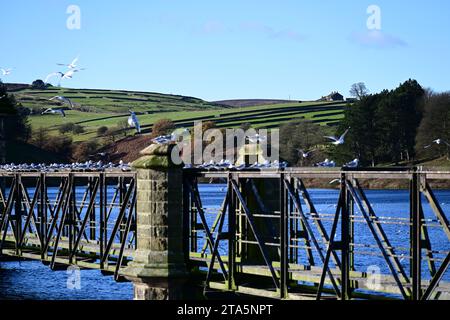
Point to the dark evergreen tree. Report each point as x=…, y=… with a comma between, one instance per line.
x=15, y=121
x=383, y=126
x=435, y=125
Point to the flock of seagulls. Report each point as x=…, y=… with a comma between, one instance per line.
x=227, y=165
x=88, y=166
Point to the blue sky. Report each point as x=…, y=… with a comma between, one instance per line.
x=230, y=49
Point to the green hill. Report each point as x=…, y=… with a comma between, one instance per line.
x=95, y=108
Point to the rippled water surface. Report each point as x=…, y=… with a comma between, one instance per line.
x=33, y=280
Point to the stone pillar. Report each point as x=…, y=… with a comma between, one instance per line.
x=158, y=269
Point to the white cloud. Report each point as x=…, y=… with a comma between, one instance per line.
x=377, y=39
x=271, y=32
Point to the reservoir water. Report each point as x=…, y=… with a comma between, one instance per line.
x=33, y=280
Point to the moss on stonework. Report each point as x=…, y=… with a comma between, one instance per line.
x=153, y=161
x=158, y=149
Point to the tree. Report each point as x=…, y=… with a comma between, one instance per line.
x=245, y=126
x=162, y=127
x=304, y=135
x=84, y=150
x=40, y=137
x=66, y=127
x=61, y=145
x=359, y=90
x=383, y=126
x=435, y=125
x=101, y=131
x=112, y=133
x=38, y=84
x=77, y=129
x=71, y=127
x=362, y=139
x=399, y=115
x=16, y=125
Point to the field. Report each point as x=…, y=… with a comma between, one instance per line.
x=96, y=108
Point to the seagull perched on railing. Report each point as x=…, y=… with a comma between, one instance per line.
x=54, y=111
x=163, y=139
x=134, y=122
x=327, y=163
x=340, y=140
x=59, y=167
x=170, y=138
x=63, y=100
x=352, y=164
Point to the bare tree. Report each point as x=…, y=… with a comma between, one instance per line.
x=359, y=90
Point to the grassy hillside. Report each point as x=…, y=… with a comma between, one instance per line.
x=112, y=101
x=250, y=102
x=96, y=108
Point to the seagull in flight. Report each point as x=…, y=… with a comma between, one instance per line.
x=338, y=141
x=305, y=154
x=63, y=100
x=134, y=122
x=6, y=72
x=54, y=111
x=71, y=65
x=441, y=141
x=63, y=75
